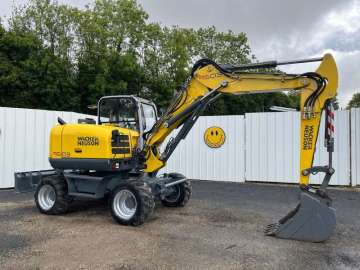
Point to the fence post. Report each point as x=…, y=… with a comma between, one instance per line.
x=355, y=146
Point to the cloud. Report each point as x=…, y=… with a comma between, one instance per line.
x=349, y=74
x=280, y=30
x=276, y=29
x=257, y=18
x=346, y=19
x=338, y=33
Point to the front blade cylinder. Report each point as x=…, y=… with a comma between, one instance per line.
x=313, y=220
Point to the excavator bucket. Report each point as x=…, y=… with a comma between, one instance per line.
x=313, y=220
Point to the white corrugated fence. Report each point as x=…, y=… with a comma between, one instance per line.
x=272, y=148
x=355, y=146
x=24, y=140
x=196, y=160
x=257, y=147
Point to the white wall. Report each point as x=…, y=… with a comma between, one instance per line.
x=258, y=147
x=272, y=148
x=196, y=160
x=355, y=146
x=24, y=140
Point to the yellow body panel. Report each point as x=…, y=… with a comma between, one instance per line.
x=55, y=142
x=252, y=83
x=87, y=141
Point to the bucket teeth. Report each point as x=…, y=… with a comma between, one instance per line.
x=273, y=225
x=272, y=229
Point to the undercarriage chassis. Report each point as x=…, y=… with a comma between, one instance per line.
x=131, y=196
x=96, y=185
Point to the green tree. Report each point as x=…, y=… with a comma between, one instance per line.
x=223, y=47
x=354, y=102
x=166, y=57
x=75, y=56
x=100, y=42
x=31, y=76
x=52, y=23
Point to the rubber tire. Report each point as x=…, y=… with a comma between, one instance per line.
x=185, y=193
x=62, y=199
x=144, y=199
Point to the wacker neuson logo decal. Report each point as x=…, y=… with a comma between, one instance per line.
x=88, y=141
x=308, y=137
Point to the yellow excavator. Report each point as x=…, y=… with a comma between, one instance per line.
x=119, y=156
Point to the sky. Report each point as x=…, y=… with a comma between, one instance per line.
x=277, y=29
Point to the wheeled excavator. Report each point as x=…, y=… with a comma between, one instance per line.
x=119, y=156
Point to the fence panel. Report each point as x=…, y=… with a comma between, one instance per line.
x=260, y=147
x=272, y=142
x=355, y=146
x=24, y=140
x=272, y=148
x=196, y=160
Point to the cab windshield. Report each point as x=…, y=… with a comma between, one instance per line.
x=120, y=112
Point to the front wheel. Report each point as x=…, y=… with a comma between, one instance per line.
x=179, y=195
x=132, y=203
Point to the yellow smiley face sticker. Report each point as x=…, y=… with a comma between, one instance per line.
x=214, y=137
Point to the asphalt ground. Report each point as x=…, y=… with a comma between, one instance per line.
x=220, y=228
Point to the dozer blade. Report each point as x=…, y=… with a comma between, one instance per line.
x=313, y=220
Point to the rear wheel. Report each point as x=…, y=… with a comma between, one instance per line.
x=132, y=203
x=179, y=194
x=51, y=195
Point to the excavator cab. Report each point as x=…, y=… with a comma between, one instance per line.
x=127, y=111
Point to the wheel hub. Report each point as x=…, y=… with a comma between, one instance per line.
x=125, y=204
x=174, y=194
x=46, y=197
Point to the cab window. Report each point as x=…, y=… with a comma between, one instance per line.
x=149, y=115
x=120, y=112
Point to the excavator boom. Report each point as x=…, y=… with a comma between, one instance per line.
x=210, y=81
x=314, y=218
